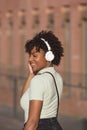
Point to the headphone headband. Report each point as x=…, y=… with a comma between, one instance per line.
x=47, y=44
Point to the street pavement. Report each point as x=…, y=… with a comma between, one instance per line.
x=9, y=123
x=69, y=123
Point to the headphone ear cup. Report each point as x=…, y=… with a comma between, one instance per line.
x=49, y=56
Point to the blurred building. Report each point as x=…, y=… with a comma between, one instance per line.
x=22, y=19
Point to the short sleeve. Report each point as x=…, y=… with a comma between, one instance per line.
x=36, y=90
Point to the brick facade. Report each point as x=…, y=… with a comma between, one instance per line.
x=19, y=21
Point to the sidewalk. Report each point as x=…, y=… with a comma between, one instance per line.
x=9, y=123
x=66, y=122
x=69, y=123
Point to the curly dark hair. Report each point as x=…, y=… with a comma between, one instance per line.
x=54, y=43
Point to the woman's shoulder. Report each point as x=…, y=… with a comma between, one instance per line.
x=42, y=78
x=38, y=79
x=58, y=75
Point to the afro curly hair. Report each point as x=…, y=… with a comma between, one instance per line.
x=54, y=43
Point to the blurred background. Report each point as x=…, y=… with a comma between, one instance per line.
x=20, y=20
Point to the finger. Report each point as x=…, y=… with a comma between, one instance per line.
x=30, y=68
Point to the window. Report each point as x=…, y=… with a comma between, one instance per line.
x=0, y=50
x=83, y=28
x=35, y=21
x=66, y=35
x=50, y=18
x=10, y=36
x=0, y=39
x=22, y=31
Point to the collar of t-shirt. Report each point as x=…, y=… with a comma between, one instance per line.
x=47, y=69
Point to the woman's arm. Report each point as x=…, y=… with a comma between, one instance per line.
x=31, y=75
x=34, y=115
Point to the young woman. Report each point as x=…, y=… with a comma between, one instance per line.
x=40, y=97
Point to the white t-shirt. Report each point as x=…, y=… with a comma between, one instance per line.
x=42, y=87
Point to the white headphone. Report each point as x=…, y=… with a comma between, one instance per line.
x=49, y=56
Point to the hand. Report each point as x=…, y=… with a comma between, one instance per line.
x=30, y=70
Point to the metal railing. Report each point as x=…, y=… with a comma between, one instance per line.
x=12, y=82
